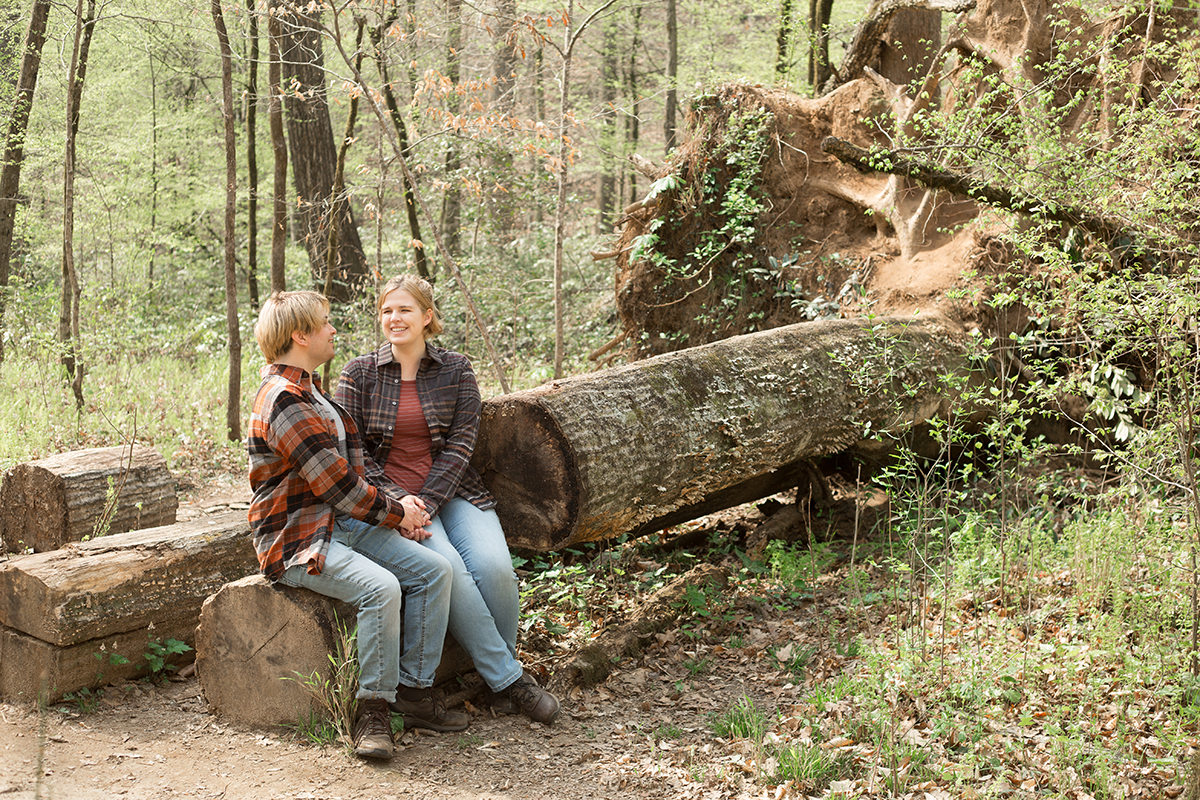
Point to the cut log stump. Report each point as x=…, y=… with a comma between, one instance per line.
x=256, y=639
x=47, y=503
x=68, y=618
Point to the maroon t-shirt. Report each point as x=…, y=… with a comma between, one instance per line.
x=409, y=459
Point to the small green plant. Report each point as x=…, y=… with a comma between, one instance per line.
x=697, y=666
x=85, y=701
x=792, y=658
x=335, y=694
x=811, y=768
x=159, y=652
x=667, y=731
x=743, y=721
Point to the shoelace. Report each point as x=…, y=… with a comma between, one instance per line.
x=522, y=693
x=376, y=721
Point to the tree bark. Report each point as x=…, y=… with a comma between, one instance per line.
x=410, y=203
x=872, y=32
x=912, y=39
x=606, y=201
x=672, y=102
x=68, y=318
x=48, y=503
x=252, y=158
x=279, y=202
x=233, y=400
x=451, y=216
x=636, y=449
x=313, y=156
x=14, y=148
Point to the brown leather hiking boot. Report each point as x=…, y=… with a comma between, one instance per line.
x=533, y=701
x=422, y=708
x=373, y=730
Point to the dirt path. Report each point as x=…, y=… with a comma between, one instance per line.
x=636, y=736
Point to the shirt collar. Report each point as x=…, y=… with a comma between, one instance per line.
x=301, y=377
x=384, y=354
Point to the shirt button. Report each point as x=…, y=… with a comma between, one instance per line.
x=393, y=402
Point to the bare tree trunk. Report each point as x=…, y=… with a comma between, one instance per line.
x=913, y=38
x=609, y=77
x=502, y=204
x=819, y=69
x=153, y=170
x=233, y=406
x=783, y=35
x=252, y=159
x=339, y=176
x=279, y=204
x=68, y=318
x=14, y=149
x=632, y=120
x=410, y=203
x=669, y=128
x=314, y=155
x=451, y=220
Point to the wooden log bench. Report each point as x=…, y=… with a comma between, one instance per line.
x=256, y=640
x=47, y=503
x=67, y=617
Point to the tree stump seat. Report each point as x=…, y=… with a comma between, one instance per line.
x=257, y=641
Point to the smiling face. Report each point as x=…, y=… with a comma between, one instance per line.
x=403, y=321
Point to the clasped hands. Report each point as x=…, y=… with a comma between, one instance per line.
x=415, y=518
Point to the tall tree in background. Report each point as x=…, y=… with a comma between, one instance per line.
x=389, y=98
x=609, y=148
x=314, y=155
x=669, y=127
x=501, y=201
x=68, y=316
x=819, y=68
x=279, y=202
x=783, y=38
x=451, y=217
x=14, y=147
x=632, y=119
x=252, y=158
x=571, y=38
x=233, y=404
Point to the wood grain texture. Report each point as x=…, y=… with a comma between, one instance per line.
x=638, y=448
x=47, y=503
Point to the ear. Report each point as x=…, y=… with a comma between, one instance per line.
x=300, y=338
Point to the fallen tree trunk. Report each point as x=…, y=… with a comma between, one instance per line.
x=636, y=449
x=46, y=503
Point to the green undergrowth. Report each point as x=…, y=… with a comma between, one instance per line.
x=1045, y=658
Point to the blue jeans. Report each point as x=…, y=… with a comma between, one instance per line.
x=484, y=603
x=370, y=567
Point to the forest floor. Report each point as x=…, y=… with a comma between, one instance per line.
x=644, y=732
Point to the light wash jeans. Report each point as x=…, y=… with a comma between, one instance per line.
x=369, y=567
x=484, y=603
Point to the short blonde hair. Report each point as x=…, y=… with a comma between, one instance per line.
x=285, y=313
x=422, y=292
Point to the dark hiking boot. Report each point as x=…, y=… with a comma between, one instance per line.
x=373, y=730
x=533, y=701
x=422, y=708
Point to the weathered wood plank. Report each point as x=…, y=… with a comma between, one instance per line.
x=29, y=666
x=125, y=582
x=46, y=503
x=642, y=447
